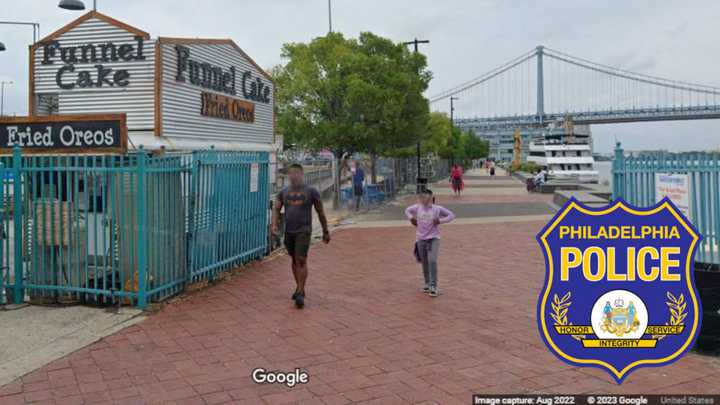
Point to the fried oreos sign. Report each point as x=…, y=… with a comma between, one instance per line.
x=64, y=134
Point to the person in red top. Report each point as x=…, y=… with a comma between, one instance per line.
x=456, y=179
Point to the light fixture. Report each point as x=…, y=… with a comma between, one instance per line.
x=72, y=5
x=2, y=47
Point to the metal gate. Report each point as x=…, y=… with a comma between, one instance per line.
x=228, y=221
x=132, y=228
x=8, y=288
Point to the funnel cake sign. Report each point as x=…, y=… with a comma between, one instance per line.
x=215, y=77
x=67, y=77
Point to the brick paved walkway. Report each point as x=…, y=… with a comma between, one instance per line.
x=367, y=334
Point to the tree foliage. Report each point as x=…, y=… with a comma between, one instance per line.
x=463, y=146
x=351, y=95
x=475, y=148
x=438, y=133
x=311, y=97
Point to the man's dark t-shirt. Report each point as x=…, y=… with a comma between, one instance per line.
x=298, y=203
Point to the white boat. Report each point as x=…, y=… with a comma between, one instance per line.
x=566, y=154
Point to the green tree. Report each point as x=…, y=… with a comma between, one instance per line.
x=438, y=133
x=312, y=97
x=386, y=94
x=464, y=146
x=475, y=148
x=434, y=140
x=349, y=95
x=453, y=149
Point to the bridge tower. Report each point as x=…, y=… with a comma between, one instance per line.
x=540, y=85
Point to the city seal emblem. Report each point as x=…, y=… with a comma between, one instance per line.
x=619, y=290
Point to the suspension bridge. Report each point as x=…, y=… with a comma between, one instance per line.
x=544, y=86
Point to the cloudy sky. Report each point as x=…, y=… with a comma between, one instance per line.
x=665, y=38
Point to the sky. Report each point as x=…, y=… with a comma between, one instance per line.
x=665, y=38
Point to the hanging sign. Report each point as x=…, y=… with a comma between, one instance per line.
x=254, y=175
x=676, y=188
x=106, y=133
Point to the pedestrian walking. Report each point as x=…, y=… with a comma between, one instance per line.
x=426, y=217
x=492, y=169
x=456, y=180
x=298, y=200
x=358, y=182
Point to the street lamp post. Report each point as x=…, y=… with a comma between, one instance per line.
x=330, y=15
x=452, y=122
x=36, y=34
x=2, y=96
x=452, y=110
x=419, y=180
x=35, y=27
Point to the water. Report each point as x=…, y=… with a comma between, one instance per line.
x=604, y=172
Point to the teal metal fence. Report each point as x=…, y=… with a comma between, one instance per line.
x=634, y=181
x=134, y=228
x=229, y=211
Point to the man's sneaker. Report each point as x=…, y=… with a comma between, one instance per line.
x=426, y=289
x=434, y=291
x=300, y=300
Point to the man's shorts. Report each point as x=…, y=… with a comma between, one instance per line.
x=297, y=244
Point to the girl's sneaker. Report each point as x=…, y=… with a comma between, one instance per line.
x=434, y=291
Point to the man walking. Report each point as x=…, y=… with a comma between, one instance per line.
x=358, y=179
x=298, y=200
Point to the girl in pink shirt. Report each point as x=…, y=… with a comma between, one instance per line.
x=427, y=217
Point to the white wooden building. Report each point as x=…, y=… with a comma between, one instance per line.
x=177, y=93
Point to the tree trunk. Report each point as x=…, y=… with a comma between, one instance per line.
x=373, y=168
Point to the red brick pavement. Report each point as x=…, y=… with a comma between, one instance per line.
x=367, y=335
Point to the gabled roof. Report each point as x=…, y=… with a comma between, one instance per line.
x=99, y=16
x=214, y=41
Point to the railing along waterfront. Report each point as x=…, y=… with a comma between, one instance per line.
x=634, y=180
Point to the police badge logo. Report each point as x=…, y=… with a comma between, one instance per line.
x=619, y=290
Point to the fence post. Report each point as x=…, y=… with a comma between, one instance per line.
x=618, y=172
x=18, y=286
x=193, y=182
x=3, y=254
x=142, y=230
